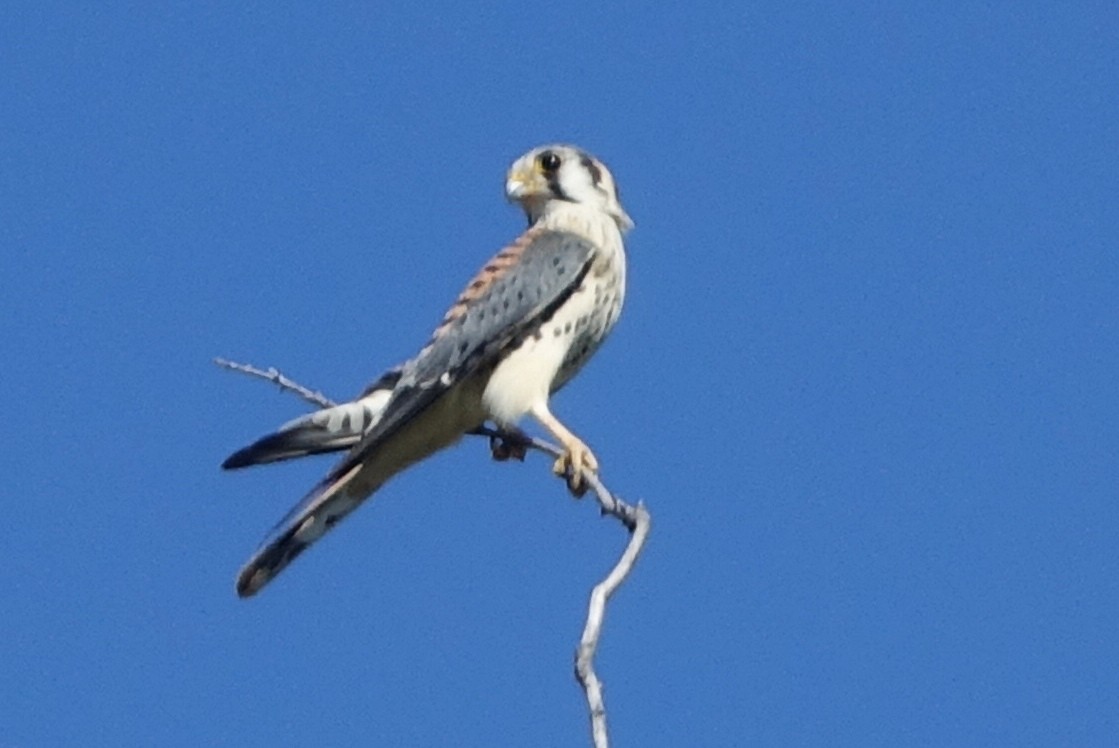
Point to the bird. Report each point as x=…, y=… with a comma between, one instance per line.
x=524, y=325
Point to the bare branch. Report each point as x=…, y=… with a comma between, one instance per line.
x=638, y=521
x=609, y=503
x=596, y=611
x=273, y=375
x=514, y=443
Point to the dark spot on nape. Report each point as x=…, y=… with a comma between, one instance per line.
x=589, y=164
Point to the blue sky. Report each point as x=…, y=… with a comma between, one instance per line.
x=865, y=379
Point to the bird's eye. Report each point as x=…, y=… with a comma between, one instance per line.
x=549, y=162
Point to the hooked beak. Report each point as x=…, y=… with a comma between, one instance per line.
x=524, y=183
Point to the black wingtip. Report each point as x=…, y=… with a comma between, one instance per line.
x=249, y=582
x=272, y=448
x=288, y=445
x=239, y=459
x=269, y=561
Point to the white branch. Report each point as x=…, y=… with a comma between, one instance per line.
x=514, y=443
x=588, y=644
x=273, y=375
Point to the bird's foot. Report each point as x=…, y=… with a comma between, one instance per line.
x=576, y=458
x=511, y=445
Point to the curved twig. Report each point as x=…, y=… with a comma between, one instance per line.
x=588, y=644
x=505, y=443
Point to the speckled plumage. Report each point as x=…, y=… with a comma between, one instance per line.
x=521, y=329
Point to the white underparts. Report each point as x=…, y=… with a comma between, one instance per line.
x=551, y=355
x=523, y=379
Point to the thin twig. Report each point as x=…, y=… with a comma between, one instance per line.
x=273, y=375
x=635, y=518
x=588, y=644
x=607, y=502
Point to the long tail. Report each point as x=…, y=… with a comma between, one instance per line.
x=328, y=430
x=388, y=431
x=308, y=521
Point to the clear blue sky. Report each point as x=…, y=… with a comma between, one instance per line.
x=866, y=377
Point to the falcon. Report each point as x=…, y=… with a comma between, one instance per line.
x=521, y=329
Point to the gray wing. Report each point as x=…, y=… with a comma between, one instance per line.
x=521, y=287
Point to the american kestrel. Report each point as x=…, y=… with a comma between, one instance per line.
x=521, y=329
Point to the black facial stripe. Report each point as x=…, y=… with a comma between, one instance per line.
x=555, y=189
x=589, y=164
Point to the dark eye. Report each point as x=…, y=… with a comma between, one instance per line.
x=549, y=162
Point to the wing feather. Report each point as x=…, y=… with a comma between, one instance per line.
x=327, y=430
x=521, y=287
x=503, y=302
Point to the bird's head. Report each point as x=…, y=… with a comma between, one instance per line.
x=557, y=174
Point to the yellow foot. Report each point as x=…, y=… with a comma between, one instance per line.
x=576, y=458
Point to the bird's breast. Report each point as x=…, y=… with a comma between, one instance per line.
x=549, y=356
x=594, y=311
x=546, y=358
